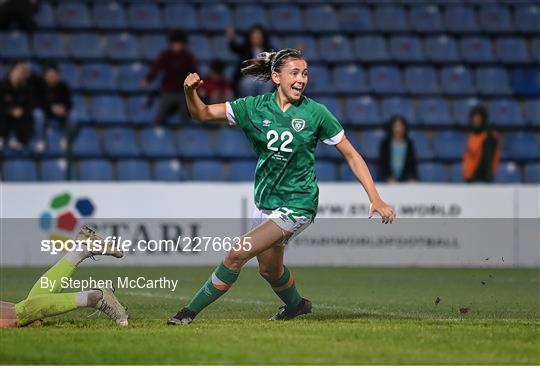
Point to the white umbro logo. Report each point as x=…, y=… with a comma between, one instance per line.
x=266, y=122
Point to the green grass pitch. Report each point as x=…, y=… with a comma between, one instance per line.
x=361, y=316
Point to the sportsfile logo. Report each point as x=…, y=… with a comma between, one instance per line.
x=63, y=214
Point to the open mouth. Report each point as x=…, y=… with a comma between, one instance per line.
x=297, y=89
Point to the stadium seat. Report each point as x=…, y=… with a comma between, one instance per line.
x=353, y=18
x=456, y=173
x=434, y=112
x=369, y=144
x=130, y=76
x=525, y=81
x=19, y=170
x=97, y=77
x=86, y=46
x=333, y=104
x=144, y=16
x=441, y=49
x=321, y=18
x=48, y=45
x=152, y=45
x=532, y=173
x=477, y=49
x=120, y=142
x=232, y=143
x=181, y=16
x=248, y=15
x=406, y=49
x=200, y=46
x=79, y=111
x=505, y=112
x=461, y=109
x=133, y=170
x=521, y=146
x=44, y=17
x=385, y=80
x=349, y=79
x=425, y=19
x=122, y=46
x=195, y=143
x=208, y=170
x=449, y=145
x=86, y=144
x=422, y=145
x=157, y=142
x=215, y=17
x=109, y=16
x=460, y=19
x=108, y=109
x=495, y=18
x=391, y=106
x=14, y=44
x=507, y=173
x=532, y=112
x=389, y=18
x=53, y=170
x=457, y=80
x=221, y=50
x=73, y=14
x=492, y=81
x=371, y=49
x=95, y=170
x=362, y=111
x=535, y=48
x=512, y=50
x=69, y=74
x=335, y=49
x=346, y=173
x=421, y=80
x=141, y=110
x=286, y=18
x=307, y=44
x=242, y=170
x=319, y=79
x=432, y=173
x=55, y=144
x=527, y=18
x=325, y=171
x=167, y=170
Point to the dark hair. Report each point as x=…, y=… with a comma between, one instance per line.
x=268, y=62
x=52, y=66
x=479, y=110
x=393, y=120
x=177, y=36
x=265, y=36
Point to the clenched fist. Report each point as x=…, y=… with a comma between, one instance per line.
x=192, y=82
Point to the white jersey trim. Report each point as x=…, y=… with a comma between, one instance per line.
x=335, y=139
x=230, y=114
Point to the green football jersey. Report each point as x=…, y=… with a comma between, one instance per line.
x=285, y=146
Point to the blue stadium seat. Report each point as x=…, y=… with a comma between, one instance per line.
x=73, y=14
x=521, y=146
x=362, y=111
x=14, y=44
x=120, y=142
x=194, y=143
x=122, y=46
x=69, y=74
x=527, y=18
x=389, y=18
x=242, y=170
x=507, y=173
x=477, y=49
x=421, y=80
x=512, y=50
x=152, y=45
x=221, y=50
x=422, y=145
x=325, y=171
x=369, y=144
x=425, y=19
x=406, y=49
x=495, y=18
x=525, y=81
x=109, y=16
x=449, y=145
x=461, y=19
x=456, y=173
x=167, y=170
x=532, y=112
x=130, y=76
x=353, y=18
x=133, y=170
x=385, y=80
x=108, y=109
x=19, y=170
x=349, y=79
x=319, y=79
x=232, y=143
x=335, y=49
x=87, y=143
x=208, y=170
x=461, y=109
x=79, y=111
x=535, y=48
x=55, y=144
x=433, y=173
x=307, y=44
x=49, y=45
x=492, y=81
x=532, y=173
x=285, y=18
x=321, y=18
x=506, y=112
x=391, y=106
x=157, y=142
x=95, y=170
x=248, y=15
x=144, y=16
x=97, y=76
x=441, y=49
x=371, y=48
x=44, y=17
x=53, y=170
x=181, y=16
x=346, y=173
x=456, y=80
x=215, y=17
x=86, y=46
x=333, y=104
x=140, y=110
x=434, y=112
x=200, y=46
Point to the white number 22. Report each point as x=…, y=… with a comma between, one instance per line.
x=286, y=138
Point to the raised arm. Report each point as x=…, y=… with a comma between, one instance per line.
x=197, y=108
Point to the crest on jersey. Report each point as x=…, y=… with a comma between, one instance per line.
x=298, y=124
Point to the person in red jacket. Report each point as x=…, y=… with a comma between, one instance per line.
x=175, y=63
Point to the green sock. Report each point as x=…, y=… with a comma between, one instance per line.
x=285, y=288
x=221, y=280
x=44, y=305
x=62, y=268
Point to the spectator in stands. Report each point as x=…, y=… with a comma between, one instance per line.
x=216, y=87
x=17, y=102
x=397, y=153
x=176, y=62
x=481, y=158
x=255, y=42
x=56, y=97
x=18, y=14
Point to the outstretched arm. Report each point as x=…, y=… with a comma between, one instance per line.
x=197, y=108
x=361, y=171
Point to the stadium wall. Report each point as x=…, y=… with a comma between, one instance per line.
x=438, y=225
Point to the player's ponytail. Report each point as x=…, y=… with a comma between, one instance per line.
x=268, y=62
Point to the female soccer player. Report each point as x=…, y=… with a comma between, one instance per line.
x=283, y=128
x=43, y=302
